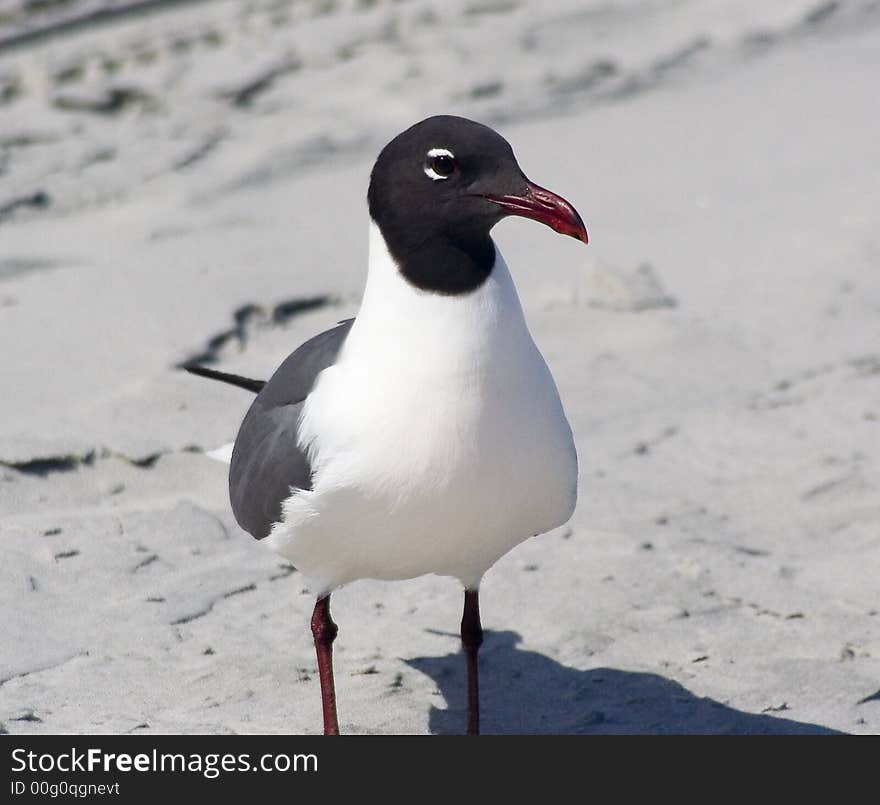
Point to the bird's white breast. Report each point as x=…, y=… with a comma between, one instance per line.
x=437, y=441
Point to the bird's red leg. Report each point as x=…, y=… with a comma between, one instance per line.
x=471, y=638
x=324, y=632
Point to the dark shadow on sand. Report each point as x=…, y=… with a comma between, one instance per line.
x=523, y=692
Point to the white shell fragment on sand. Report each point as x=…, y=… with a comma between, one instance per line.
x=628, y=290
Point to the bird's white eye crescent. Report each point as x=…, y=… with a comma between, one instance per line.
x=439, y=164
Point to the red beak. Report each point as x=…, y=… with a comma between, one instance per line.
x=546, y=207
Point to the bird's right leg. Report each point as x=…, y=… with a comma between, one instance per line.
x=471, y=639
x=324, y=632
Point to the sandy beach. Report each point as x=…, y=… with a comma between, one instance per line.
x=187, y=182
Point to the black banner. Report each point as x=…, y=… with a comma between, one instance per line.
x=146, y=768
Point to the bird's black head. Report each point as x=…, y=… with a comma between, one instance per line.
x=436, y=191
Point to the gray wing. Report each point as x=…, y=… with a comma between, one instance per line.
x=266, y=461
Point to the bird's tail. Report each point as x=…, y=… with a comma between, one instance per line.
x=233, y=380
x=223, y=454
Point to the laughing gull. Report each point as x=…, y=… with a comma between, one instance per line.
x=426, y=435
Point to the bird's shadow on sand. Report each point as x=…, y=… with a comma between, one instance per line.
x=523, y=692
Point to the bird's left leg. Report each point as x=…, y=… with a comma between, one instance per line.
x=471, y=638
x=324, y=632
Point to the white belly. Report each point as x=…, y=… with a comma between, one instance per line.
x=437, y=445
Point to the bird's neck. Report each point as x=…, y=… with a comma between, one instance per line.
x=438, y=262
x=429, y=326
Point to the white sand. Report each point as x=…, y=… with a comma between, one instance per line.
x=716, y=347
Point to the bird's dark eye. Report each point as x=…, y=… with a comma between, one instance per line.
x=440, y=164
x=443, y=164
